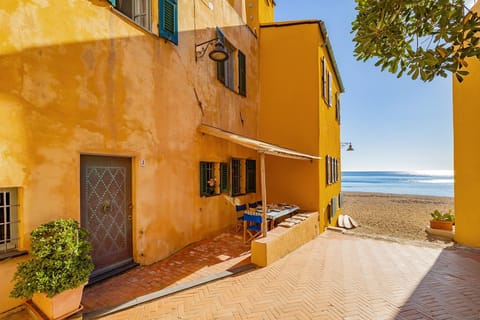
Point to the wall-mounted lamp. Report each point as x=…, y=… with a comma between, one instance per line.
x=348, y=145
x=218, y=54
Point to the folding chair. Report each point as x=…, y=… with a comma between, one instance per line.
x=240, y=210
x=252, y=224
x=253, y=205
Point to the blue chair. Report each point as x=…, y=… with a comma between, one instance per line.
x=240, y=210
x=252, y=225
x=253, y=205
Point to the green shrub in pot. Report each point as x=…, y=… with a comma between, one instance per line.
x=60, y=260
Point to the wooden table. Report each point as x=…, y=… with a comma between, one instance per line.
x=275, y=212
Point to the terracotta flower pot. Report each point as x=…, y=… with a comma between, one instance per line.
x=442, y=225
x=61, y=305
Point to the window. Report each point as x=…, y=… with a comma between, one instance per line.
x=332, y=170
x=168, y=20
x=251, y=176
x=8, y=219
x=226, y=69
x=137, y=10
x=236, y=177
x=140, y=11
x=337, y=107
x=208, y=183
x=242, y=74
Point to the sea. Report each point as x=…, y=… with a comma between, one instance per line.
x=429, y=183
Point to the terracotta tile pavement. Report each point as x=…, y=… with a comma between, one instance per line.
x=337, y=277
x=203, y=258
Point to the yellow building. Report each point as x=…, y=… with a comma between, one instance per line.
x=101, y=107
x=300, y=109
x=466, y=155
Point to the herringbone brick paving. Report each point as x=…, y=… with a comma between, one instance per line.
x=201, y=259
x=337, y=277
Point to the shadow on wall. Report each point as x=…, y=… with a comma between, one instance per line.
x=450, y=289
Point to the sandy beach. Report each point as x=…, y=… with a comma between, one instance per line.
x=393, y=216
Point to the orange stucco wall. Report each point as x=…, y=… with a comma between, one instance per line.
x=294, y=114
x=466, y=154
x=93, y=82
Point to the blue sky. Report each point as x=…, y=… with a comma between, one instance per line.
x=393, y=124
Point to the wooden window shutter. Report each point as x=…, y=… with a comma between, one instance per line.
x=224, y=177
x=334, y=206
x=337, y=105
x=330, y=98
x=221, y=65
x=251, y=175
x=327, y=161
x=242, y=74
x=324, y=78
x=168, y=20
x=235, y=177
x=203, y=178
x=334, y=170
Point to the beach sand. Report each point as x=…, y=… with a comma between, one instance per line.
x=393, y=216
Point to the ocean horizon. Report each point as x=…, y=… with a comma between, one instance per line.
x=419, y=182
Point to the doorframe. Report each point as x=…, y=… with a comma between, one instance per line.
x=133, y=165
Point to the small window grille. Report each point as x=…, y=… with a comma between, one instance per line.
x=208, y=182
x=236, y=177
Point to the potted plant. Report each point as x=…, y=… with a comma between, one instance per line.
x=443, y=221
x=58, y=269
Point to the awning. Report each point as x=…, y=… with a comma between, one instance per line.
x=260, y=146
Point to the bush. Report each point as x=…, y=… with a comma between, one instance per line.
x=60, y=260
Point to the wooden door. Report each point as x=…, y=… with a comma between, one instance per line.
x=106, y=212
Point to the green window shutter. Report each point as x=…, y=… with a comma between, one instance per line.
x=251, y=175
x=168, y=20
x=203, y=178
x=242, y=74
x=224, y=177
x=221, y=65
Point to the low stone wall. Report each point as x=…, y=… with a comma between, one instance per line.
x=280, y=241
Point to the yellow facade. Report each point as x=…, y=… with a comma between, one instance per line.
x=466, y=154
x=294, y=114
x=80, y=78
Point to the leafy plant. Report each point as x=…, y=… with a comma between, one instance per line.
x=447, y=216
x=423, y=38
x=60, y=260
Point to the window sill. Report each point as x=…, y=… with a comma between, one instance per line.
x=12, y=254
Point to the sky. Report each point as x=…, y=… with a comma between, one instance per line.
x=393, y=124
